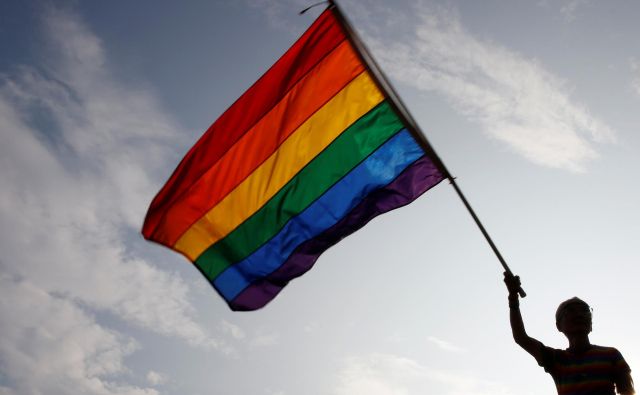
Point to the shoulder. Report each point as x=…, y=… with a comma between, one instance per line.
x=549, y=358
x=608, y=353
x=603, y=350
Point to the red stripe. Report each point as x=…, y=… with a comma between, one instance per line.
x=319, y=40
x=322, y=83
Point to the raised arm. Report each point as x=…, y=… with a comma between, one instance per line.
x=529, y=344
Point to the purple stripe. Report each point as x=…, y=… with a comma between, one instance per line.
x=413, y=182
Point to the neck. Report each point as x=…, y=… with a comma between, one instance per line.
x=579, y=342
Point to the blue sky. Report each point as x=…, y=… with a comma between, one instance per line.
x=532, y=105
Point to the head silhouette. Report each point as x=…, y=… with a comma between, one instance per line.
x=574, y=317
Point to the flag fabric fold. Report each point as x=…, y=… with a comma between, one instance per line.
x=309, y=154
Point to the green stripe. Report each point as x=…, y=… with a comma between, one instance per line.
x=356, y=143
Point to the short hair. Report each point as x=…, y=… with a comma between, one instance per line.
x=563, y=306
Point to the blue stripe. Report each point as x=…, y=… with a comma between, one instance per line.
x=379, y=169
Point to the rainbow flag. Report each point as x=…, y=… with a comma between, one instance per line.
x=309, y=154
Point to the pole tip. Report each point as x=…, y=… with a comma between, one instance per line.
x=313, y=5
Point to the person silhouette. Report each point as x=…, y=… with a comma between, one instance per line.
x=581, y=369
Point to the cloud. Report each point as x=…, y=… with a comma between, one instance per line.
x=78, y=186
x=49, y=345
x=311, y=327
x=154, y=378
x=387, y=374
x=515, y=99
x=235, y=331
x=569, y=9
x=444, y=345
x=282, y=14
x=79, y=160
x=264, y=340
x=635, y=73
x=257, y=339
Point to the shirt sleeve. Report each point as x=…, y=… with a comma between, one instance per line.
x=622, y=374
x=547, y=358
x=620, y=364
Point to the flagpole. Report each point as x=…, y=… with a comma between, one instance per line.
x=396, y=102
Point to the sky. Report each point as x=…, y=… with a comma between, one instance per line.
x=532, y=105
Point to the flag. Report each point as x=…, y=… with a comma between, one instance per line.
x=306, y=156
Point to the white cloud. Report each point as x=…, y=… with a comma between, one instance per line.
x=265, y=340
x=155, y=378
x=70, y=202
x=258, y=339
x=78, y=156
x=635, y=74
x=281, y=14
x=49, y=345
x=386, y=374
x=444, y=345
x=234, y=330
x=311, y=327
x=515, y=99
x=569, y=8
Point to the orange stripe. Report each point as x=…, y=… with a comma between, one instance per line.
x=310, y=94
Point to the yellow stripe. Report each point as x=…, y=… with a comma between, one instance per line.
x=313, y=136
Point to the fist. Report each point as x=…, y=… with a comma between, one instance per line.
x=512, y=282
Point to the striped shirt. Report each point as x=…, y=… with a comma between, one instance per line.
x=592, y=372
